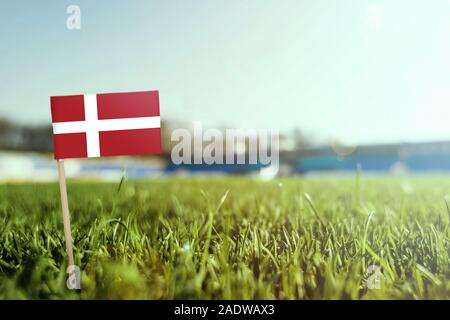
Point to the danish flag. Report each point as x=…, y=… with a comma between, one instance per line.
x=107, y=124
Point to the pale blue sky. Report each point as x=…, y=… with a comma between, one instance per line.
x=315, y=64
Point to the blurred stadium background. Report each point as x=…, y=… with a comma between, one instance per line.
x=371, y=73
x=26, y=154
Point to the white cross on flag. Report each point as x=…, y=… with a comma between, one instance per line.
x=107, y=124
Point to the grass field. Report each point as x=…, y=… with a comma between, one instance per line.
x=230, y=238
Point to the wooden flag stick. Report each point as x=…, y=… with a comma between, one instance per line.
x=65, y=210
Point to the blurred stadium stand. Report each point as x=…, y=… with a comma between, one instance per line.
x=26, y=154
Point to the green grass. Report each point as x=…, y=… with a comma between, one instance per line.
x=229, y=238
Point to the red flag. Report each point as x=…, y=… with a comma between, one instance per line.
x=107, y=124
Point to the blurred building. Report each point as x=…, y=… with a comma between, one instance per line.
x=386, y=158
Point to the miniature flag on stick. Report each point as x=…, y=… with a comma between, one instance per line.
x=97, y=125
x=111, y=124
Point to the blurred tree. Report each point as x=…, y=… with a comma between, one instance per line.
x=19, y=137
x=37, y=138
x=10, y=137
x=301, y=139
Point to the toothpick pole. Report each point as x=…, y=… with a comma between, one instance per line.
x=65, y=210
